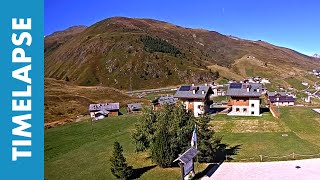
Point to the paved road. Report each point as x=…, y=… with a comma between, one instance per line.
x=148, y=91
x=282, y=170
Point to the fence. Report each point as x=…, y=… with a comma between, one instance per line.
x=274, y=111
x=264, y=158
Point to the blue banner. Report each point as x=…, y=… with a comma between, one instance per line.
x=21, y=92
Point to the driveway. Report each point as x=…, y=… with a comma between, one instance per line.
x=282, y=170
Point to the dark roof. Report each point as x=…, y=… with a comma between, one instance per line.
x=187, y=156
x=277, y=94
x=107, y=106
x=193, y=92
x=162, y=100
x=241, y=89
x=135, y=106
x=274, y=99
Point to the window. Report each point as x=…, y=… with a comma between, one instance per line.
x=244, y=109
x=237, y=109
x=237, y=100
x=252, y=105
x=245, y=100
x=252, y=112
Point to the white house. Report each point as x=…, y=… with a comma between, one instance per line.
x=195, y=98
x=245, y=99
x=281, y=98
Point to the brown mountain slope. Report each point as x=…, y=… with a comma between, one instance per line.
x=58, y=38
x=128, y=53
x=65, y=101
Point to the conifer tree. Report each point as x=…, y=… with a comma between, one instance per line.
x=166, y=133
x=208, y=143
x=119, y=166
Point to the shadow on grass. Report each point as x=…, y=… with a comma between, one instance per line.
x=264, y=110
x=211, y=169
x=222, y=154
x=137, y=173
x=225, y=153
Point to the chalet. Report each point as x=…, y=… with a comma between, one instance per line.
x=134, y=107
x=218, y=90
x=245, y=99
x=163, y=100
x=281, y=98
x=99, y=111
x=195, y=98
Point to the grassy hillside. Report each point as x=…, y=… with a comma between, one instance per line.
x=128, y=53
x=64, y=101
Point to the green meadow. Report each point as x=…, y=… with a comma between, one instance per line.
x=81, y=151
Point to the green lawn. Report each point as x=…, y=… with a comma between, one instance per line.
x=295, y=83
x=72, y=153
x=220, y=98
x=296, y=131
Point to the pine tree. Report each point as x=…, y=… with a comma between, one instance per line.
x=166, y=133
x=208, y=144
x=119, y=166
x=161, y=151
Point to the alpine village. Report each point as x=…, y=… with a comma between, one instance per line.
x=130, y=98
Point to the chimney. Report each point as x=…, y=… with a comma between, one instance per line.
x=194, y=91
x=202, y=92
x=192, y=84
x=258, y=90
x=248, y=89
x=206, y=84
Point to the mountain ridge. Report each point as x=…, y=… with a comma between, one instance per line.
x=137, y=53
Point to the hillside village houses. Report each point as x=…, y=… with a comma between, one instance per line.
x=257, y=79
x=100, y=111
x=218, y=90
x=163, y=100
x=134, y=107
x=316, y=73
x=281, y=98
x=195, y=98
x=245, y=99
x=305, y=83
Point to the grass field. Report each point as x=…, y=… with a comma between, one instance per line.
x=296, y=131
x=72, y=153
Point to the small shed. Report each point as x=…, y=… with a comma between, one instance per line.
x=104, y=110
x=134, y=107
x=186, y=162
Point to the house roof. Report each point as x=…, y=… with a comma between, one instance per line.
x=244, y=89
x=107, y=106
x=135, y=106
x=277, y=93
x=274, y=99
x=193, y=92
x=167, y=100
x=103, y=112
x=187, y=156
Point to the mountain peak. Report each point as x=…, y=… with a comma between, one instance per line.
x=316, y=55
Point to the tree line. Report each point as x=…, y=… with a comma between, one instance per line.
x=152, y=44
x=166, y=133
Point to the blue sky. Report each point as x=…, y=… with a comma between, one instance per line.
x=290, y=23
